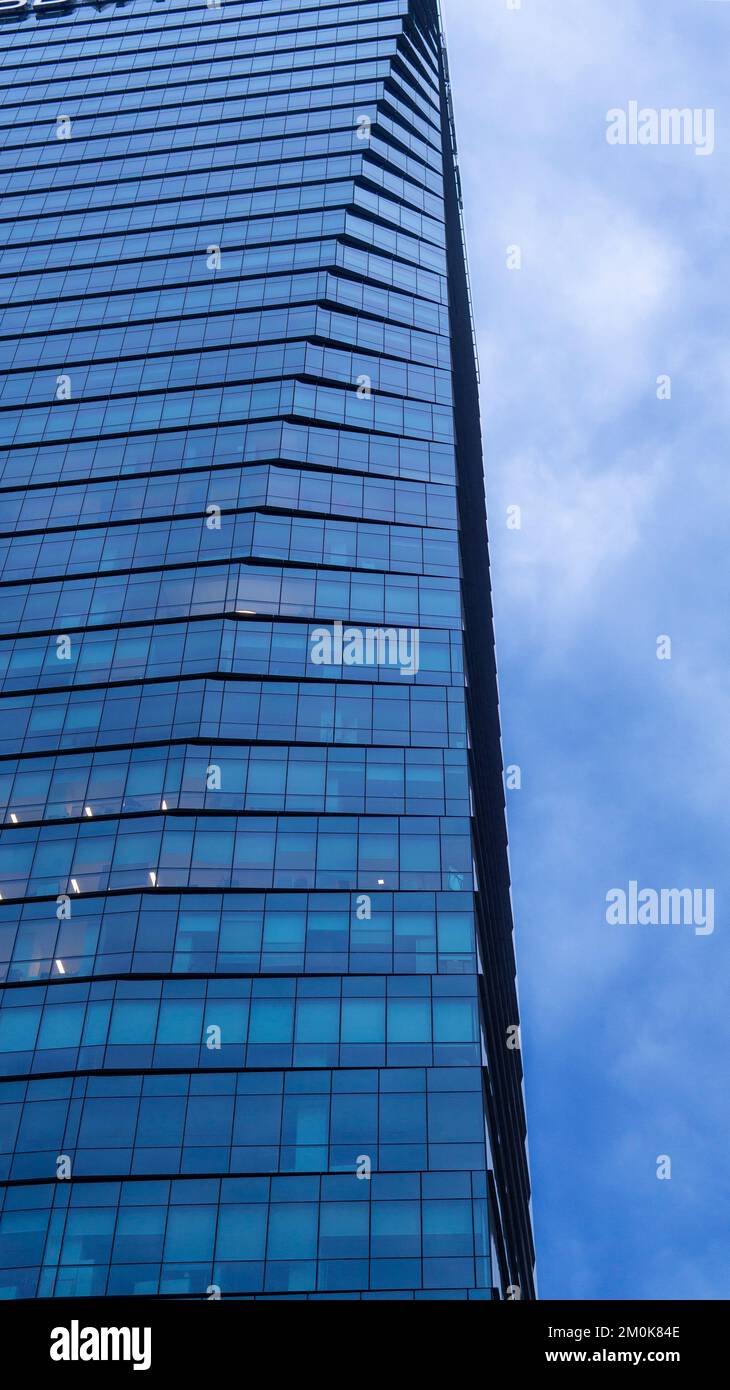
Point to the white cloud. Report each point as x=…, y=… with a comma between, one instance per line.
x=578, y=528
x=625, y=513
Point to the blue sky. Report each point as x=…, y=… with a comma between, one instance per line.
x=625, y=521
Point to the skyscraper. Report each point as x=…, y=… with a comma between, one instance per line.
x=259, y=1034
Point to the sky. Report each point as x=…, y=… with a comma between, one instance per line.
x=625, y=517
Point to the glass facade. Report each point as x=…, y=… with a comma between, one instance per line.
x=257, y=1029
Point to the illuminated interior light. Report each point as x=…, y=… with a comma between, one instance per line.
x=75, y=886
x=381, y=881
x=60, y=967
x=88, y=811
x=153, y=878
x=164, y=805
x=13, y=818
